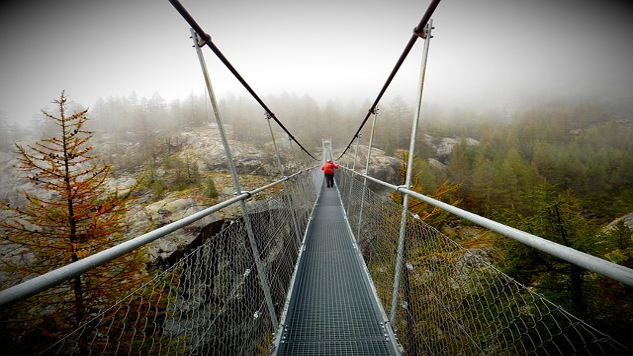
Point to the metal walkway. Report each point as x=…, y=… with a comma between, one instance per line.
x=333, y=309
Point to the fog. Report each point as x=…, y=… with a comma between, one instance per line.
x=484, y=52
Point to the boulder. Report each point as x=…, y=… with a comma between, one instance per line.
x=144, y=218
x=628, y=221
x=443, y=146
x=381, y=166
x=207, y=148
x=121, y=185
x=435, y=164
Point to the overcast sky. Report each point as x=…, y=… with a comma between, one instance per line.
x=484, y=50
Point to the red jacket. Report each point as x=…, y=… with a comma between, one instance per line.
x=329, y=167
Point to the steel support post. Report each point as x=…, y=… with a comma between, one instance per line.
x=293, y=212
x=405, y=200
x=351, y=181
x=362, y=199
x=263, y=279
x=272, y=135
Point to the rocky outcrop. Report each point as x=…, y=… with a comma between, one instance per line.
x=386, y=168
x=12, y=183
x=628, y=221
x=443, y=146
x=206, y=146
x=146, y=217
x=381, y=166
x=437, y=165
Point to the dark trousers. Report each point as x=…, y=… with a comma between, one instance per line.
x=329, y=179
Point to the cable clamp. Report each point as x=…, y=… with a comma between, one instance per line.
x=204, y=41
x=424, y=33
x=419, y=33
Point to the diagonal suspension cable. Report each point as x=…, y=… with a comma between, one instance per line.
x=206, y=40
x=418, y=31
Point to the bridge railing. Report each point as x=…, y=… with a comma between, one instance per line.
x=452, y=300
x=211, y=301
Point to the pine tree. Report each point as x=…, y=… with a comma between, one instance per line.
x=612, y=307
x=620, y=241
x=211, y=189
x=72, y=215
x=556, y=217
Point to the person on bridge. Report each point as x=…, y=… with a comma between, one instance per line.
x=328, y=170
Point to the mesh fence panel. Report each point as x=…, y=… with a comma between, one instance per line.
x=451, y=301
x=211, y=301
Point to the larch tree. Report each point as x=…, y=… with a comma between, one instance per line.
x=71, y=214
x=557, y=217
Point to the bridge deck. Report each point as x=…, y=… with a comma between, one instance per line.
x=333, y=309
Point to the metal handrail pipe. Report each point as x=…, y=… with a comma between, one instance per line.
x=58, y=276
x=592, y=263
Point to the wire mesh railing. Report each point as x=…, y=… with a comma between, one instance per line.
x=451, y=301
x=209, y=302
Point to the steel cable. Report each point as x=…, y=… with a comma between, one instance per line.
x=418, y=31
x=206, y=38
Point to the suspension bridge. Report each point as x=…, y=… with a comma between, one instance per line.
x=311, y=270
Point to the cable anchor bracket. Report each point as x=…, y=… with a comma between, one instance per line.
x=425, y=32
x=201, y=42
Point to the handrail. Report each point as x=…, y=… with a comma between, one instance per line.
x=53, y=278
x=592, y=263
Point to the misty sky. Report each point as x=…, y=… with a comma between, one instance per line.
x=482, y=50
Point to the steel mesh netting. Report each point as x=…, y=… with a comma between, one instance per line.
x=210, y=302
x=380, y=224
x=450, y=300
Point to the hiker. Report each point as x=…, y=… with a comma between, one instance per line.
x=328, y=170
